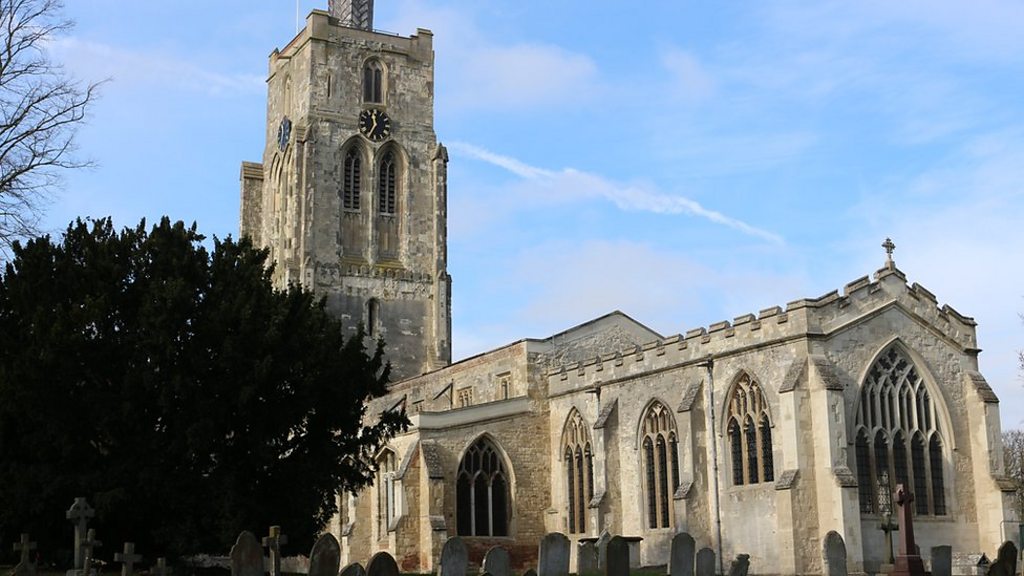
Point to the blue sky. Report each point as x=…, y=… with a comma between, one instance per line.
x=684, y=162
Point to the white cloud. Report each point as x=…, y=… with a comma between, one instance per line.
x=570, y=183
x=128, y=69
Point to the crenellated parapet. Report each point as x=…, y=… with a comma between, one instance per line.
x=803, y=319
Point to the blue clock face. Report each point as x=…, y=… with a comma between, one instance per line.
x=284, y=132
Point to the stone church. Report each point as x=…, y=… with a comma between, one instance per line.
x=756, y=435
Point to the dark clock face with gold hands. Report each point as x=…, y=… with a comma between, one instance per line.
x=374, y=124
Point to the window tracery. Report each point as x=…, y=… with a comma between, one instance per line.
x=482, y=492
x=895, y=406
x=373, y=82
x=660, y=462
x=750, y=444
x=351, y=180
x=386, y=503
x=578, y=459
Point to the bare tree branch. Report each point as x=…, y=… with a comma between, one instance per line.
x=41, y=108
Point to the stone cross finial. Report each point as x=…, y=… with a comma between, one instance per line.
x=273, y=544
x=79, y=513
x=128, y=558
x=25, y=547
x=889, y=248
x=88, y=545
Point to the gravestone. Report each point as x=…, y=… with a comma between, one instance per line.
x=79, y=513
x=273, y=542
x=942, y=561
x=161, y=568
x=454, y=558
x=26, y=566
x=246, y=556
x=1006, y=561
x=325, y=557
x=382, y=564
x=586, y=558
x=127, y=558
x=602, y=548
x=617, y=557
x=705, y=565
x=353, y=569
x=680, y=560
x=908, y=562
x=740, y=566
x=553, y=558
x=89, y=546
x=833, y=554
x=497, y=562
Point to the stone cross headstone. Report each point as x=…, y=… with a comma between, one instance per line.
x=1006, y=561
x=740, y=566
x=454, y=558
x=26, y=566
x=586, y=558
x=497, y=562
x=161, y=567
x=79, y=514
x=705, y=565
x=382, y=564
x=618, y=557
x=908, y=562
x=89, y=546
x=833, y=554
x=127, y=558
x=353, y=569
x=246, y=556
x=273, y=542
x=325, y=558
x=680, y=560
x=553, y=558
x=942, y=561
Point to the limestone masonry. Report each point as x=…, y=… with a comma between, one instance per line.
x=761, y=434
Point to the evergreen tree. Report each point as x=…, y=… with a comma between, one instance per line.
x=177, y=390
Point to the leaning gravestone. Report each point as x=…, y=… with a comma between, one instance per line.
x=247, y=556
x=454, y=558
x=740, y=566
x=325, y=557
x=1006, y=561
x=496, y=562
x=586, y=558
x=705, y=562
x=553, y=558
x=680, y=561
x=382, y=564
x=833, y=554
x=618, y=557
x=353, y=569
x=942, y=561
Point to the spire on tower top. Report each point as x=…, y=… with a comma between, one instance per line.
x=353, y=13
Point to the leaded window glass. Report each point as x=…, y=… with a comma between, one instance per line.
x=750, y=444
x=659, y=459
x=482, y=492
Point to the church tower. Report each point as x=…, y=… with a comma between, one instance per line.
x=351, y=197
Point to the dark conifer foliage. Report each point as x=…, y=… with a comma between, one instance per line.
x=177, y=390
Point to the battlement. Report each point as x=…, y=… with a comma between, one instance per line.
x=805, y=318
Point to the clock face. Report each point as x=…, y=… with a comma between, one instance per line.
x=374, y=124
x=284, y=132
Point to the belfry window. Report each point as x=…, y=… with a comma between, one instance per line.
x=386, y=503
x=897, y=411
x=387, y=183
x=373, y=82
x=661, y=464
x=482, y=492
x=351, y=179
x=750, y=444
x=578, y=459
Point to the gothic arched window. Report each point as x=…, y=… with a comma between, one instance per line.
x=482, y=492
x=578, y=459
x=895, y=406
x=386, y=503
x=373, y=82
x=386, y=183
x=660, y=462
x=351, y=179
x=750, y=444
